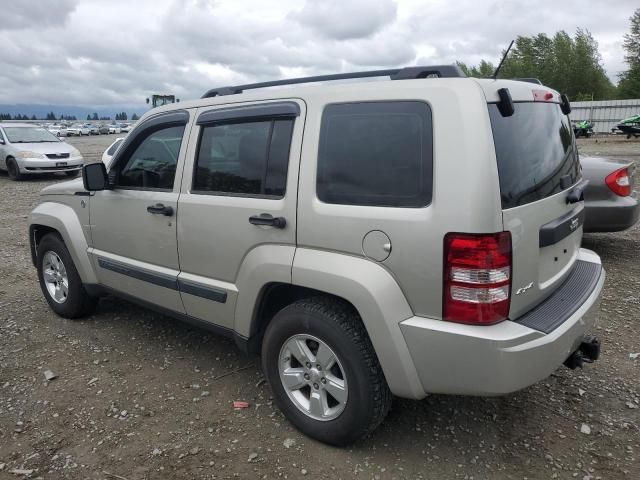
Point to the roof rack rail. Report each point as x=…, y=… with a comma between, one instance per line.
x=444, y=71
x=528, y=80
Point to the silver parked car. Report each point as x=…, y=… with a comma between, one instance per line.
x=26, y=149
x=410, y=236
x=610, y=201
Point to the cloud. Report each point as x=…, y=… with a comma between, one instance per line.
x=343, y=20
x=19, y=14
x=122, y=51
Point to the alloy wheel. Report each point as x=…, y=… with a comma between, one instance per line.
x=313, y=377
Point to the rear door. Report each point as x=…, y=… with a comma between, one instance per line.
x=537, y=167
x=239, y=194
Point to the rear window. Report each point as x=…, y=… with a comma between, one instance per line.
x=534, y=149
x=376, y=153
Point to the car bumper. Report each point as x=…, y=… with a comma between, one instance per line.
x=461, y=359
x=38, y=165
x=612, y=215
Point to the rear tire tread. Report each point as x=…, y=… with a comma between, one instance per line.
x=347, y=319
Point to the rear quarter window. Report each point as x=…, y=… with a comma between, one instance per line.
x=376, y=154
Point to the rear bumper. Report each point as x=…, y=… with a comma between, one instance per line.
x=612, y=215
x=494, y=360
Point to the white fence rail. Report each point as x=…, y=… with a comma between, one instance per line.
x=604, y=114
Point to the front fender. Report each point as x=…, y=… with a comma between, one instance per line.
x=379, y=301
x=63, y=219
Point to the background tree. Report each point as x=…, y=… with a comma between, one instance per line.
x=629, y=84
x=51, y=116
x=135, y=117
x=483, y=70
x=571, y=65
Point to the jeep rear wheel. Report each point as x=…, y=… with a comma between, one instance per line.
x=323, y=371
x=59, y=280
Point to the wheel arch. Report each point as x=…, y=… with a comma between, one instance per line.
x=362, y=284
x=50, y=217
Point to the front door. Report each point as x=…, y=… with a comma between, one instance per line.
x=238, y=205
x=133, y=225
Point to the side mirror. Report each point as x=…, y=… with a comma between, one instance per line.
x=1, y=141
x=94, y=177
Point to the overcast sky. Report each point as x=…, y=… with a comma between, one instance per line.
x=96, y=52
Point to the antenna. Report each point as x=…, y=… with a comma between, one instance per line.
x=504, y=57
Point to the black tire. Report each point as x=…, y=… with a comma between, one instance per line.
x=78, y=302
x=13, y=171
x=72, y=174
x=338, y=325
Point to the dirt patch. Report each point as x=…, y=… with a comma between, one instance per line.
x=139, y=395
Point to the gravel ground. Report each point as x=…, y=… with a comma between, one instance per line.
x=138, y=395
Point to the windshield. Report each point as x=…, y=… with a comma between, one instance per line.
x=535, y=149
x=29, y=135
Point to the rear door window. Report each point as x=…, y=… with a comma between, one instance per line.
x=376, y=154
x=246, y=158
x=535, y=149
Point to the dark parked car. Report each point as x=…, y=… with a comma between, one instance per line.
x=611, y=203
x=103, y=130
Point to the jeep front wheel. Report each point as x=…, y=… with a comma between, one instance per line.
x=323, y=371
x=59, y=279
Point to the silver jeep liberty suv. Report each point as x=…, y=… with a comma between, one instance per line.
x=415, y=235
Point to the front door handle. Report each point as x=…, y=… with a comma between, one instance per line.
x=160, y=209
x=268, y=220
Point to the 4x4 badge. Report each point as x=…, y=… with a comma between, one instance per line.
x=524, y=289
x=574, y=224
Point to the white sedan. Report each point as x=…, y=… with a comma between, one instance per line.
x=79, y=130
x=58, y=130
x=114, y=128
x=111, y=151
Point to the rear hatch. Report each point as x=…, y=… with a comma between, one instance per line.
x=538, y=167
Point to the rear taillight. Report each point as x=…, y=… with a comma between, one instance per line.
x=477, y=277
x=619, y=183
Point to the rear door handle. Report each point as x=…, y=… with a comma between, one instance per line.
x=268, y=220
x=160, y=209
x=576, y=194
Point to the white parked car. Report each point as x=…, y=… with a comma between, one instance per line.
x=27, y=149
x=78, y=129
x=111, y=151
x=125, y=128
x=115, y=128
x=58, y=130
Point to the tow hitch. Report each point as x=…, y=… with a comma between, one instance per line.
x=587, y=352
